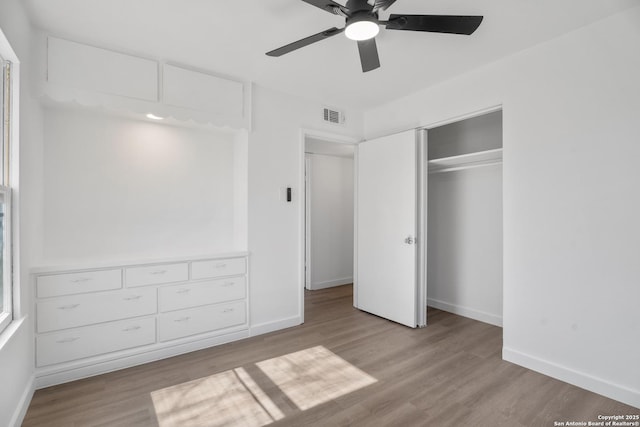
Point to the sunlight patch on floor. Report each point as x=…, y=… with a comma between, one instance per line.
x=306, y=378
x=218, y=400
x=314, y=376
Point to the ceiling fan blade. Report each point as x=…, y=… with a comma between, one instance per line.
x=452, y=24
x=368, y=55
x=328, y=6
x=382, y=4
x=305, y=41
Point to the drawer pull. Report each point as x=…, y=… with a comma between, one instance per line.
x=157, y=272
x=183, y=291
x=132, y=298
x=68, y=307
x=132, y=328
x=182, y=319
x=227, y=310
x=67, y=340
x=227, y=284
x=221, y=265
x=81, y=280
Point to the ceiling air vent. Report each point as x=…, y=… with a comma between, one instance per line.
x=331, y=115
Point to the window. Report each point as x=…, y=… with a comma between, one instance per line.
x=6, y=282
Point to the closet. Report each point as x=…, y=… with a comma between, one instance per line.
x=464, y=226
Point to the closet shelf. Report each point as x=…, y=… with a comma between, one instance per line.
x=466, y=161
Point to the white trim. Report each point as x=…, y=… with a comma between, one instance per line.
x=276, y=325
x=307, y=222
x=462, y=117
x=98, y=265
x=355, y=227
x=469, y=312
x=331, y=283
x=8, y=333
x=23, y=403
x=580, y=379
x=53, y=375
x=422, y=213
x=6, y=317
x=328, y=136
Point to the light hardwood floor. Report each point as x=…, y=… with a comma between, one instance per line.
x=447, y=374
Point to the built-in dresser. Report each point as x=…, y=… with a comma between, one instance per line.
x=94, y=320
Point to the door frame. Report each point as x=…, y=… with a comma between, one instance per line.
x=422, y=172
x=461, y=117
x=302, y=208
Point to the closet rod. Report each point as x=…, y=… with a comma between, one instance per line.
x=466, y=166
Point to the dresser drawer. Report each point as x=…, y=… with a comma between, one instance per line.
x=75, y=283
x=218, y=268
x=201, y=293
x=157, y=274
x=184, y=323
x=59, y=347
x=81, y=310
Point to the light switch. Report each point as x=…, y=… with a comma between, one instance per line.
x=286, y=194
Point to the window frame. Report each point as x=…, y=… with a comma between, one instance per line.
x=6, y=313
x=9, y=177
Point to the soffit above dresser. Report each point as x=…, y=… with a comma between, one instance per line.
x=95, y=77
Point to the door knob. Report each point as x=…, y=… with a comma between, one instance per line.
x=410, y=240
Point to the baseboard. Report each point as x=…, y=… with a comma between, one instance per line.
x=579, y=379
x=466, y=312
x=23, y=404
x=331, y=283
x=72, y=371
x=265, y=328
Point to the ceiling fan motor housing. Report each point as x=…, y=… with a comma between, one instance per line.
x=356, y=6
x=362, y=16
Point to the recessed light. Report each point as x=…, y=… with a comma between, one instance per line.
x=154, y=117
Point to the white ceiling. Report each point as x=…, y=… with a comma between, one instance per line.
x=231, y=37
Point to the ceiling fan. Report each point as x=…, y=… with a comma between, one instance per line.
x=362, y=25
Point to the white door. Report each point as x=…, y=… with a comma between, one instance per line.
x=389, y=218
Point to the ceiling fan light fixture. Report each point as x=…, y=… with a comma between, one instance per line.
x=361, y=30
x=362, y=22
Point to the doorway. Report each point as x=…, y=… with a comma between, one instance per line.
x=327, y=212
x=465, y=255
x=431, y=239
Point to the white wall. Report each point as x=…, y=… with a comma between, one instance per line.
x=571, y=206
x=330, y=261
x=464, y=268
x=16, y=349
x=117, y=189
x=240, y=190
x=275, y=226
